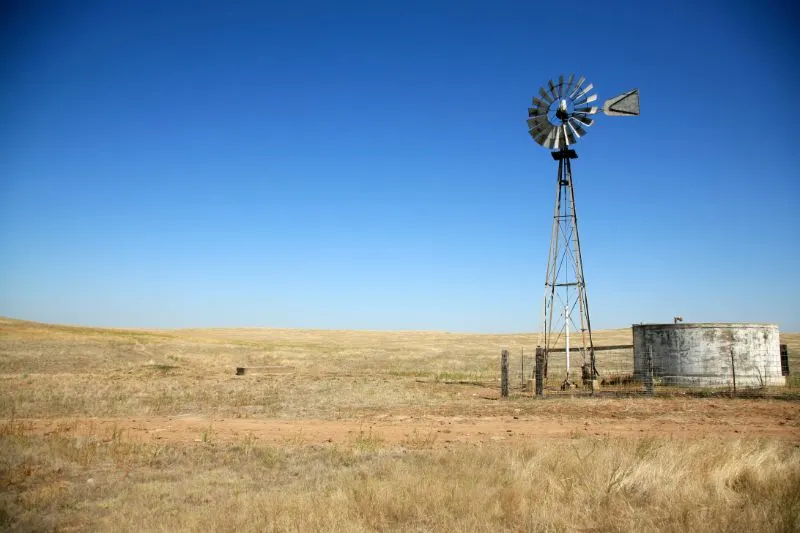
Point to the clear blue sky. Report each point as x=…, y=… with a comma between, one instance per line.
x=367, y=165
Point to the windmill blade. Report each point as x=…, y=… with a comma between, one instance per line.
x=546, y=97
x=536, y=112
x=576, y=127
x=577, y=87
x=586, y=110
x=568, y=135
x=541, y=127
x=560, y=86
x=540, y=103
x=541, y=106
x=583, y=119
x=541, y=131
x=550, y=141
x=583, y=92
x=626, y=104
x=542, y=136
x=586, y=100
x=536, y=137
x=552, y=87
x=539, y=119
x=569, y=84
x=536, y=121
x=560, y=140
x=537, y=115
x=547, y=140
x=557, y=139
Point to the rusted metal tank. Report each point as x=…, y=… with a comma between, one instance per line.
x=709, y=354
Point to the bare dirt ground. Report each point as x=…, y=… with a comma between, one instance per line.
x=695, y=418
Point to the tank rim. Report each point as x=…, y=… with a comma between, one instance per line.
x=706, y=325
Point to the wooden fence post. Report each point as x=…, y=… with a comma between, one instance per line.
x=504, y=374
x=784, y=360
x=539, y=371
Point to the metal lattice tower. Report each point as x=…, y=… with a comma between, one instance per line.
x=565, y=285
x=559, y=117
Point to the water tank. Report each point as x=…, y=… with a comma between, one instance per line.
x=708, y=354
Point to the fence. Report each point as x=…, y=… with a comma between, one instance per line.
x=621, y=372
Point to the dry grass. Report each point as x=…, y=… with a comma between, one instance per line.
x=55, y=370
x=106, y=482
x=82, y=476
x=69, y=371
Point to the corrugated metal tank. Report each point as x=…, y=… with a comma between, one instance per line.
x=700, y=354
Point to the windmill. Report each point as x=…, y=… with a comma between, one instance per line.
x=559, y=117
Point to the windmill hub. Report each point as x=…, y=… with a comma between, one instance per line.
x=562, y=113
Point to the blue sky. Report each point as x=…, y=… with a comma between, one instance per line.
x=366, y=165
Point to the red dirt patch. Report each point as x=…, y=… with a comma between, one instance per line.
x=627, y=419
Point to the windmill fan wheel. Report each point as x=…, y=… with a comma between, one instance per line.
x=561, y=112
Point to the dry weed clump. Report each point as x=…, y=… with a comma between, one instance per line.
x=108, y=482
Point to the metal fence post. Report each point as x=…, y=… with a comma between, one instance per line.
x=733, y=372
x=648, y=372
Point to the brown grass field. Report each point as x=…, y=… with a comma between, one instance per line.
x=134, y=430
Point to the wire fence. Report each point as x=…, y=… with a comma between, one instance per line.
x=621, y=372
